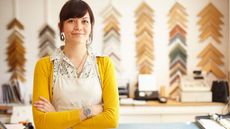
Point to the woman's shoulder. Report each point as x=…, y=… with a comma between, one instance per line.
x=103, y=59
x=44, y=61
x=104, y=62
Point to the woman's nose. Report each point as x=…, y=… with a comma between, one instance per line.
x=77, y=25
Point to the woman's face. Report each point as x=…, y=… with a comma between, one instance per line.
x=77, y=29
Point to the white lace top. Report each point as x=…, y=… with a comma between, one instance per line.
x=68, y=69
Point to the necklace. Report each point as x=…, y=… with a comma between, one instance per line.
x=79, y=71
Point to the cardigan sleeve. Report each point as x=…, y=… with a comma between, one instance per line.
x=50, y=120
x=110, y=116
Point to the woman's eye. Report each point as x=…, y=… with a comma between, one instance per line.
x=85, y=21
x=70, y=20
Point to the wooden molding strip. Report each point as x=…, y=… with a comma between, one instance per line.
x=144, y=18
x=15, y=35
x=17, y=76
x=177, y=17
x=177, y=30
x=208, y=57
x=174, y=79
x=210, y=8
x=145, y=53
x=144, y=44
x=47, y=51
x=46, y=29
x=143, y=6
x=145, y=70
x=46, y=41
x=110, y=10
x=110, y=26
x=145, y=57
x=15, y=23
x=177, y=38
x=144, y=37
x=112, y=18
x=178, y=69
x=213, y=68
x=210, y=19
x=176, y=63
x=178, y=58
x=176, y=22
x=177, y=7
x=210, y=33
x=211, y=48
x=115, y=56
x=210, y=25
x=178, y=50
x=143, y=29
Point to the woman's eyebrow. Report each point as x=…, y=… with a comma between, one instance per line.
x=86, y=17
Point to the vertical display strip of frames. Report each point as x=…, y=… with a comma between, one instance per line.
x=177, y=43
x=111, y=37
x=15, y=50
x=210, y=28
x=46, y=35
x=144, y=38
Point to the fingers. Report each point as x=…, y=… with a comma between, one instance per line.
x=97, y=109
x=101, y=107
x=44, y=105
x=41, y=109
x=40, y=105
x=44, y=99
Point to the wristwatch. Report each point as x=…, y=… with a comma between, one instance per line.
x=87, y=111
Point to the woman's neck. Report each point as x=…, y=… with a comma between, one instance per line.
x=75, y=52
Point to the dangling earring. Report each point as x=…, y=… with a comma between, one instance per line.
x=88, y=43
x=89, y=40
x=62, y=36
x=89, y=46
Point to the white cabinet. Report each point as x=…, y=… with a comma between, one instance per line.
x=15, y=113
x=21, y=113
x=165, y=113
x=152, y=112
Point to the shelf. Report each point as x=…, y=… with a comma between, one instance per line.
x=174, y=103
x=155, y=112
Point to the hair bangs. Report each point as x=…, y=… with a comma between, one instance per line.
x=77, y=9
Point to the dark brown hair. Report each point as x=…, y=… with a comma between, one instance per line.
x=73, y=9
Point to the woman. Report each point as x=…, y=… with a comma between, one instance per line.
x=73, y=88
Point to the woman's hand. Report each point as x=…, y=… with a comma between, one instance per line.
x=44, y=105
x=97, y=109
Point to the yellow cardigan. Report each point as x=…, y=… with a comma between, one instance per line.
x=43, y=80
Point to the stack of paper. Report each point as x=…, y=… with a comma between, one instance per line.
x=225, y=123
x=209, y=124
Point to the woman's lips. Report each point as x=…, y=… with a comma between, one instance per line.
x=77, y=34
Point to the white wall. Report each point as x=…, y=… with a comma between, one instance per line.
x=31, y=14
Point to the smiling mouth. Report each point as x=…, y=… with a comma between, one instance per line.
x=77, y=34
